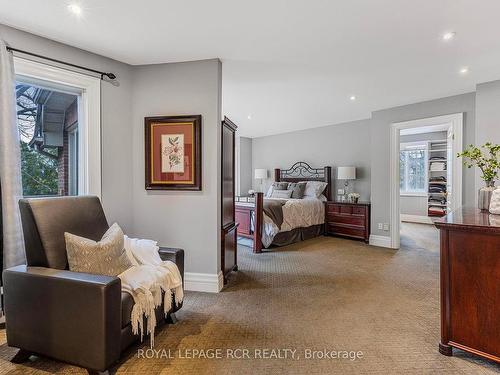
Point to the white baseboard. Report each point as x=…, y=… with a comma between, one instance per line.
x=381, y=241
x=203, y=282
x=416, y=219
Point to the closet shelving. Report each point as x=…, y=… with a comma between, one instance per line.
x=437, y=195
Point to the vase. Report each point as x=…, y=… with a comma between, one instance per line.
x=485, y=194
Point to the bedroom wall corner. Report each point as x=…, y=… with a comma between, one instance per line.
x=245, y=170
x=185, y=219
x=487, y=118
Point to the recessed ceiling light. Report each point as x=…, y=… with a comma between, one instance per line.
x=249, y=117
x=449, y=35
x=464, y=70
x=75, y=9
x=352, y=97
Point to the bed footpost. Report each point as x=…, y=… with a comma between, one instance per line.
x=259, y=221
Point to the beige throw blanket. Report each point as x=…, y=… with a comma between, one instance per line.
x=149, y=281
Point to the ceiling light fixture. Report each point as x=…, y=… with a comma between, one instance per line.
x=249, y=117
x=352, y=97
x=449, y=35
x=464, y=70
x=75, y=9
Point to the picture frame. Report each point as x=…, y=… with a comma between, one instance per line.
x=173, y=152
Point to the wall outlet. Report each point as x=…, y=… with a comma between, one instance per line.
x=380, y=226
x=340, y=192
x=386, y=227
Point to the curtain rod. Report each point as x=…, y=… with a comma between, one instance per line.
x=109, y=75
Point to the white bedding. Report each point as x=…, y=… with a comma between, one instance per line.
x=297, y=213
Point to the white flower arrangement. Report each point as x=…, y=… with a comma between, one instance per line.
x=353, y=197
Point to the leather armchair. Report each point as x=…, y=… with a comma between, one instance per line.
x=74, y=317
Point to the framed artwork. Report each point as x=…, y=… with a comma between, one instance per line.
x=173, y=152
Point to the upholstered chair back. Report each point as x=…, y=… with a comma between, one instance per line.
x=45, y=220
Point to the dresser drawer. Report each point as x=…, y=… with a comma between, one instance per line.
x=359, y=211
x=332, y=208
x=346, y=219
x=346, y=230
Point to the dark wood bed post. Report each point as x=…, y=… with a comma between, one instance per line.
x=277, y=174
x=259, y=218
x=328, y=180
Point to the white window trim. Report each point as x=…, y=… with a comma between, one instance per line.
x=407, y=146
x=89, y=117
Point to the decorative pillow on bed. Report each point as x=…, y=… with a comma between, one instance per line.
x=314, y=188
x=276, y=186
x=285, y=194
x=106, y=257
x=298, y=189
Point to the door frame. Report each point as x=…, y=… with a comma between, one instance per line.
x=456, y=121
x=88, y=89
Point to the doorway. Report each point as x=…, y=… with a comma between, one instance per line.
x=426, y=177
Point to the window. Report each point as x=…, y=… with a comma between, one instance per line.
x=413, y=168
x=67, y=152
x=48, y=125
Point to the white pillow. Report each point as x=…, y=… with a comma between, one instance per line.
x=495, y=202
x=269, y=191
x=285, y=194
x=314, y=188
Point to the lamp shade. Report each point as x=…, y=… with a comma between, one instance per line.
x=261, y=173
x=346, y=173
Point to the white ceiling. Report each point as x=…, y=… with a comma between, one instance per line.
x=291, y=64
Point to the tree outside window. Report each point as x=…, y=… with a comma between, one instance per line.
x=413, y=168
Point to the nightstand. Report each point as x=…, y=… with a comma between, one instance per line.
x=346, y=219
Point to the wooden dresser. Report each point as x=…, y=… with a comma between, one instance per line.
x=470, y=282
x=348, y=219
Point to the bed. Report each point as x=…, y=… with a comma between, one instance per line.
x=282, y=221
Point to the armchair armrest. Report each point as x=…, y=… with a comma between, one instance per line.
x=174, y=255
x=70, y=316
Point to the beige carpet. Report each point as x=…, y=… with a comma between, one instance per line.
x=323, y=294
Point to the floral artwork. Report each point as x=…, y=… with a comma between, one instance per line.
x=172, y=153
x=172, y=150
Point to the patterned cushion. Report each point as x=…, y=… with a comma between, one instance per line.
x=276, y=186
x=315, y=188
x=285, y=194
x=106, y=257
x=495, y=202
x=298, y=189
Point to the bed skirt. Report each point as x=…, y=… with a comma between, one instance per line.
x=297, y=235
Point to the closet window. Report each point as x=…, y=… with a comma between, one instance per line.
x=413, y=159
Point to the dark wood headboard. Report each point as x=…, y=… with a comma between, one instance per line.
x=301, y=171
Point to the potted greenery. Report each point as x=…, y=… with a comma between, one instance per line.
x=488, y=161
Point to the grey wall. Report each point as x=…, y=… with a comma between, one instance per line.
x=345, y=144
x=245, y=165
x=380, y=148
x=116, y=103
x=487, y=117
x=174, y=218
x=411, y=204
